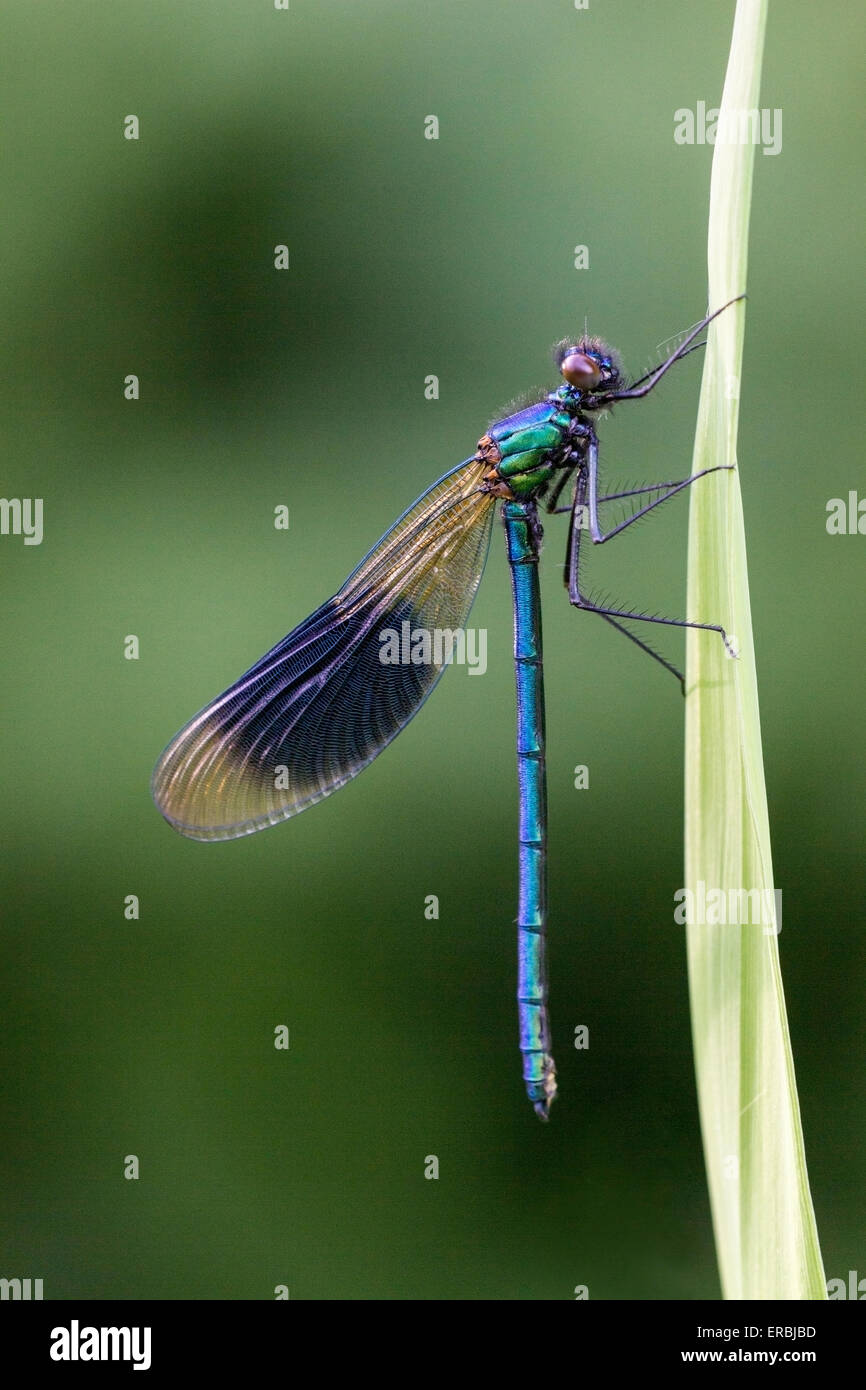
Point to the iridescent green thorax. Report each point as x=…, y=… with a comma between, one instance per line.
x=524, y=449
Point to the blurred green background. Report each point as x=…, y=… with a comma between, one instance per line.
x=408, y=257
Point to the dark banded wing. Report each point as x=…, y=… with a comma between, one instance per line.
x=321, y=705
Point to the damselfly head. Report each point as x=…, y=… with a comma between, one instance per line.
x=589, y=364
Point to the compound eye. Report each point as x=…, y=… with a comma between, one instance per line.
x=580, y=370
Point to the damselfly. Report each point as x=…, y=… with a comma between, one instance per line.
x=318, y=708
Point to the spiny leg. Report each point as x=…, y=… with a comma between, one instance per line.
x=630, y=492
x=651, y=487
x=593, y=499
x=586, y=497
x=572, y=562
x=673, y=489
x=645, y=647
x=645, y=384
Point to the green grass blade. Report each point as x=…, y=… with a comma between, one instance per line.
x=766, y=1237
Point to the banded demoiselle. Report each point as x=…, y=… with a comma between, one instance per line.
x=320, y=705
